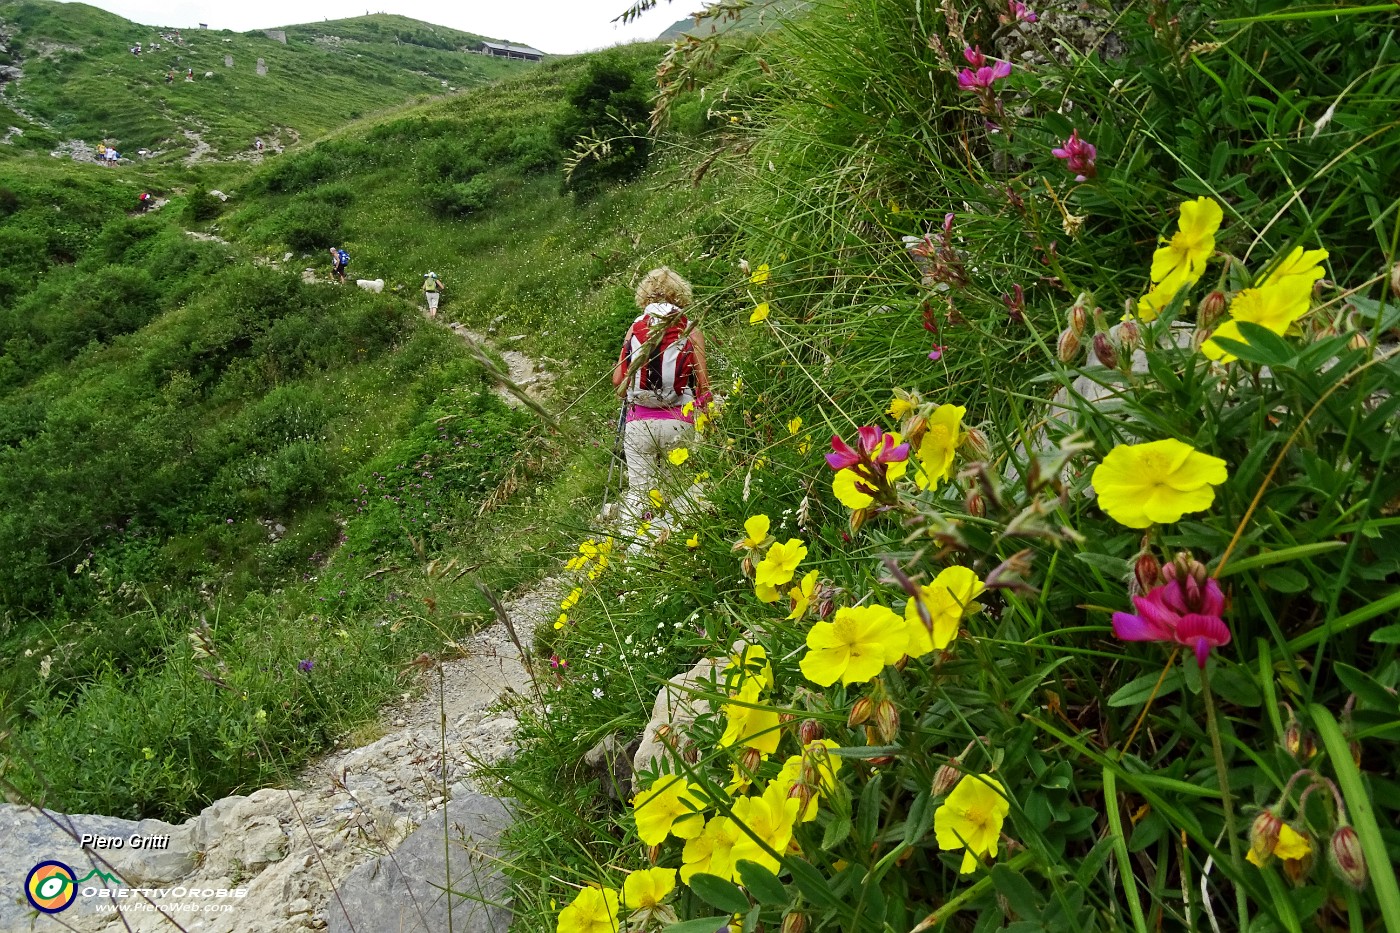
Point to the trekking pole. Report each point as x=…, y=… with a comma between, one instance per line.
x=618, y=454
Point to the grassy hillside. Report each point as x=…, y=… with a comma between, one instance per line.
x=199, y=449
x=81, y=81
x=757, y=16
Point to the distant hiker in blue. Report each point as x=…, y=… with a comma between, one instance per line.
x=339, y=260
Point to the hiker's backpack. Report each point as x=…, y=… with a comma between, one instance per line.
x=343, y=257
x=664, y=379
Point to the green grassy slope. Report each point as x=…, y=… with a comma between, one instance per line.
x=763, y=14
x=81, y=81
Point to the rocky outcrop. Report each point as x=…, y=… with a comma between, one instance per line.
x=676, y=707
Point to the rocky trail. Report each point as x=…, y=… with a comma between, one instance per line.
x=367, y=839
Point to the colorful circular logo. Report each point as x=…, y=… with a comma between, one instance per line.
x=51, y=887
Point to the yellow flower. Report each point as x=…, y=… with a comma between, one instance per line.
x=1291, y=845
x=755, y=531
x=656, y=498
x=779, y=565
x=760, y=313
x=572, y=599
x=646, y=888
x=1298, y=270
x=678, y=456
x=947, y=599
x=701, y=477
x=795, y=425
x=855, y=646
x=1182, y=260
x=593, y=911
x=688, y=409
x=711, y=852
x=770, y=818
x=1157, y=482
x=821, y=765
x=693, y=541
x=1275, y=304
x=804, y=446
x=669, y=807
x=894, y=206
x=970, y=818
x=767, y=592
x=1149, y=306
x=760, y=275
x=801, y=596
x=562, y=621
x=939, y=446
x=902, y=405
x=749, y=723
x=702, y=421
x=750, y=664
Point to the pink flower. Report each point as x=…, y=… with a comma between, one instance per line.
x=1185, y=610
x=984, y=77
x=974, y=56
x=876, y=447
x=1019, y=12
x=936, y=353
x=1079, y=156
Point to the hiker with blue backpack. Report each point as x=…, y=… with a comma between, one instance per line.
x=662, y=375
x=339, y=260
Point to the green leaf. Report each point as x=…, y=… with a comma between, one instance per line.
x=1138, y=690
x=1284, y=580
x=1236, y=685
x=717, y=892
x=919, y=820
x=836, y=832
x=1263, y=347
x=868, y=814
x=761, y=883
x=1367, y=689
x=1019, y=894
x=1302, y=551
x=702, y=925
x=1389, y=635
x=812, y=883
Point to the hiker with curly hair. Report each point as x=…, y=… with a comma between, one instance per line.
x=662, y=375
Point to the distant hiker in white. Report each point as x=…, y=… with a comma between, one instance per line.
x=432, y=291
x=665, y=356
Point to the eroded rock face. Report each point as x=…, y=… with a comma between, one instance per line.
x=676, y=707
x=420, y=890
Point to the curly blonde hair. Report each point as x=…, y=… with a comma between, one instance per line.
x=663, y=284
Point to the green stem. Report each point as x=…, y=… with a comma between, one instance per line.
x=1227, y=802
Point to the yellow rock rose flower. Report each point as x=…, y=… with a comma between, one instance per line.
x=946, y=600
x=939, y=446
x=670, y=807
x=646, y=888
x=711, y=852
x=770, y=818
x=750, y=723
x=855, y=646
x=593, y=911
x=1158, y=482
x=779, y=565
x=970, y=818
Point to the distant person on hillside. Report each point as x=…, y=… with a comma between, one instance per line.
x=432, y=291
x=258, y=144
x=170, y=76
x=143, y=203
x=665, y=356
x=189, y=75
x=339, y=260
x=112, y=156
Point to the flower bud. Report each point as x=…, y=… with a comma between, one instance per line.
x=810, y=731
x=666, y=735
x=883, y=761
x=786, y=718
x=1345, y=856
x=858, y=517
x=1067, y=348
x=691, y=753
x=1148, y=571
x=1211, y=309
x=946, y=778
x=1105, y=351
x=886, y=721
x=1395, y=279
x=751, y=759
x=1358, y=341
x=795, y=923
x=975, y=440
x=860, y=712
x=1078, y=319
x=1129, y=334
x=1263, y=834
x=748, y=566
x=974, y=504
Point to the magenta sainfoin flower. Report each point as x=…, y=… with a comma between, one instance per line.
x=1020, y=13
x=876, y=447
x=974, y=56
x=1186, y=610
x=1079, y=156
x=984, y=76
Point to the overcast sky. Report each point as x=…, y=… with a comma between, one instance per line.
x=557, y=26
